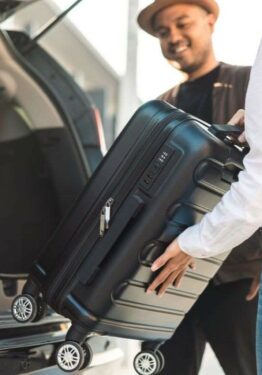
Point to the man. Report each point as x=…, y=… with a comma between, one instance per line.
x=225, y=314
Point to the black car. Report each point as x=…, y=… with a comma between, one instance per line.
x=50, y=144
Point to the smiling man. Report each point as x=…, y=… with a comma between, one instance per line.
x=225, y=314
x=184, y=32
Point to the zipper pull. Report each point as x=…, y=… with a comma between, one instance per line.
x=105, y=217
x=102, y=223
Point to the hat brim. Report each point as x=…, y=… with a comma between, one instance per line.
x=146, y=16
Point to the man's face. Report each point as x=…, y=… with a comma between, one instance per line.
x=184, y=31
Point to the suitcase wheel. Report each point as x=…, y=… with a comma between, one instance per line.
x=162, y=359
x=88, y=355
x=71, y=356
x=24, y=308
x=149, y=362
x=41, y=310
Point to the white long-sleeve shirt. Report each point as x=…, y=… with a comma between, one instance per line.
x=239, y=213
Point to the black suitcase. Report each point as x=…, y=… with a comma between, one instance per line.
x=163, y=173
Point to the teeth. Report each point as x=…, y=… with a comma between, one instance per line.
x=178, y=49
x=181, y=49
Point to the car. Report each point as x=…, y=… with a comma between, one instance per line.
x=51, y=141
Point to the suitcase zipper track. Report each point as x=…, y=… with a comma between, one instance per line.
x=91, y=215
x=70, y=267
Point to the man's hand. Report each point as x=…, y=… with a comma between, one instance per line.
x=254, y=288
x=238, y=119
x=174, y=262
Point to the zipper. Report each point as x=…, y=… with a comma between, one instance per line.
x=105, y=217
x=139, y=144
x=103, y=223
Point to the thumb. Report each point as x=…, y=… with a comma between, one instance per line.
x=242, y=138
x=254, y=288
x=238, y=118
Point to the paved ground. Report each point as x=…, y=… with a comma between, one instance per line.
x=210, y=366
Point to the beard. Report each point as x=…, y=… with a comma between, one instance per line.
x=191, y=64
x=190, y=67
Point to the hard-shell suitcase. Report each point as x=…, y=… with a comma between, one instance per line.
x=163, y=173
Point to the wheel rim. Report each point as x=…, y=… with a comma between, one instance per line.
x=146, y=364
x=23, y=309
x=69, y=357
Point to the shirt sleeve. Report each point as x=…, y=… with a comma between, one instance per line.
x=239, y=213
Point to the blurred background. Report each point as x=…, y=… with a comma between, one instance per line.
x=121, y=67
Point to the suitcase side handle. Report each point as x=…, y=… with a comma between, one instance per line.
x=172, y=230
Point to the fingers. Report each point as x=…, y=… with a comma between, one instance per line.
x=252, y=294
x=178, y=279
x=171, y=251
x=169, y=281
x=242, y=138
x=160, y=261
x=173, y=261
x=238, y=118
x=173, y=271
x=254, y=288
x=192, y=265
x=161, y=278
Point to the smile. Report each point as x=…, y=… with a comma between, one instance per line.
x=179, y=49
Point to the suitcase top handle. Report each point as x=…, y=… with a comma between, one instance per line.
x=224, y=132
x=221, y=131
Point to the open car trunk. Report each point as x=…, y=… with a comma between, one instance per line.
x=49, y=146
